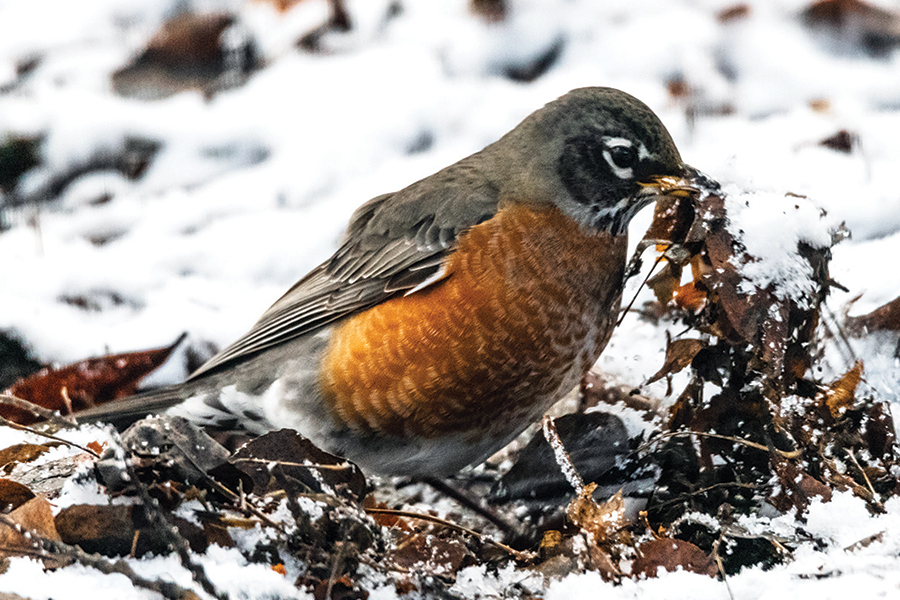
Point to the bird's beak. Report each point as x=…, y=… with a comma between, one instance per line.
x=689, y=183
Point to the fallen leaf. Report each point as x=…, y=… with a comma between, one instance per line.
x=842, y=393
x=733, y=13
x=842, y=141
x=85, y=384
x=13, y=495
x=884, y=318
x=285, y=457
x=679, y=354
x=797, y=487
x=672, y=554
x=599, y=520
x=19, y=454
x=430, y=554
x=35, y=517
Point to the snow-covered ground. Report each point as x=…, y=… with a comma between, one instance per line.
x=251, y=188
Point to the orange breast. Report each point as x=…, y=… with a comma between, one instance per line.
x=530, y=302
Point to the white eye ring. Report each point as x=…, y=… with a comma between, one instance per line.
x=619, y=142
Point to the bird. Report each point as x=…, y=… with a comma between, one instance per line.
x=456, y=310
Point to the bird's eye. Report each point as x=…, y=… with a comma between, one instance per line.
x=623, y=156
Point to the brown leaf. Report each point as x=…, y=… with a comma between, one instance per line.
x=341, y=588
x=670, y=554
x=120, y=530
x=797, y=486
x=285, y=457
x=18, y=454
x=679, y=354
x=492, y=11
x=665, y=283
x=13, y=495
x=601, y=521
x=691, y=296
x=862, y=23
x=86, y=383
x=884, y=318
x=430, y=554
x=842, y=393
x=33, y=517
x=879, y=431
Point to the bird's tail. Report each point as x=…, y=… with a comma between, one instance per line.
x=124, y=412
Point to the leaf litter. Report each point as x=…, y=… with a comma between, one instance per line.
x=751, y=433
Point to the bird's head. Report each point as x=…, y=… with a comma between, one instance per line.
x=604, y=153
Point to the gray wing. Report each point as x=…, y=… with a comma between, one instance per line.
x=394, y=244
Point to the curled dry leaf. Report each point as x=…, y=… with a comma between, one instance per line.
x=679, y=354
x=842, y=393
x=601, y=521
x=84, y=384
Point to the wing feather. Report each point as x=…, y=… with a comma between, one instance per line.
x=395, y=244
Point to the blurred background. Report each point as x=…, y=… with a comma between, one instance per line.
x=175, y=165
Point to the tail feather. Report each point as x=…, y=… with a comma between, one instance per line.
x=124, y=412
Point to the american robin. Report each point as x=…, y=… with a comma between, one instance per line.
x=458, y=309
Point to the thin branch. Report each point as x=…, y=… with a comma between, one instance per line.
x=49, y=436
x=673, y=434
x=640, y=287
x=562, y=457
x=66, y=422
x=47, y=548
x=517, y=554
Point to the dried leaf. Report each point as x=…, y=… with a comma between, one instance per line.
x=797, y=486
x=842, y=393
x=862, y=23
x=600, y=521
x=430, y=554
x=679, y=354
x=13, y=495
x=691, y=296
x=596, y=443
x=301, y=466
x=884, y=318
x=18, y=454
x=733, y=13
x=35, y=516
x=86, y=383
x=120, y=530
x=672, y=554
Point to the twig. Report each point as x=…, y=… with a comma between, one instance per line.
x=518, y=554
x=673, y=434
x=863, y=472
x=47, y=548
x=720, y=566
x=640, y=287
x=49, y=436
x=341, y=467
x=723, y=484
x=562, y=457
x=509, y=529
x=66, y=422
x=166, y=530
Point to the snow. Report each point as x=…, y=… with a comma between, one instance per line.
x=770, y=226
x=251, y=189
